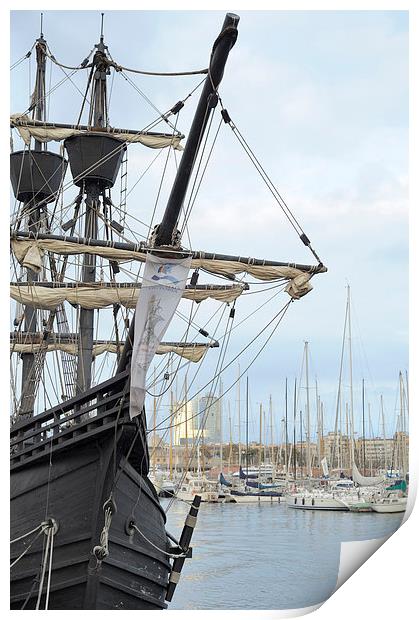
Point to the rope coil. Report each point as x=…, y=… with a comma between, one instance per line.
x=101, y=551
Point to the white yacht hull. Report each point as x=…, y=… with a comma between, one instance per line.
x=315, y=503
x=211, y=497
x=254, y=499
x=389, y=508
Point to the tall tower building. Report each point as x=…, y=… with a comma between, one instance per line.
x=185, y=422
x=209, y=416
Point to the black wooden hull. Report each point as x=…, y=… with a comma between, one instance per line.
x=71, y=484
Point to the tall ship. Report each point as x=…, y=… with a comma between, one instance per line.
x=87, y=527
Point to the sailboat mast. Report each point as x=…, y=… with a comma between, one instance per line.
x=221, y=424
x=260, y=438
x=239, y=421
x=308, y=414
x=301, y=444
x=98, y=117
x=363, y=425
x=231, y=440
x=28, y=390
x=346, y=458
x=384, y=434
x=247, y=427
x=351, y=387
x=370, y=433
x=272, y=436
x=286, y=424
x=294, y=438
x=402, y=448
x=318, y=424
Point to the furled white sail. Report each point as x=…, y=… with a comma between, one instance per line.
x=325, y=467
x=47, y=133
x=29, y=254
x=365, y=481
x=97, y=296
x=191, y=352
x=163, y=284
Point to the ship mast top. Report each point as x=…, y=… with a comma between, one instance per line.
x=98, y=116
x=39, y=94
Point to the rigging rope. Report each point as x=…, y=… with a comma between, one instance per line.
x=83, y=65
x=192, y=197
x=150, y=228
x=35, y=529
x=205, y=413
x=44, y=567
x=49, y=568
x=170, y=555
x=111, y=63
x=18, y=62
x=34, y=103
x=120, y=68
x=268, y=182
x=284, y=309
x=26, y=550
x=147, y=99
x=280, y=315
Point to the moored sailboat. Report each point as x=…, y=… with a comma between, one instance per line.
x=390, y=503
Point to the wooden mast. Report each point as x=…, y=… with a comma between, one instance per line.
x=93, y=190
x=34, y=221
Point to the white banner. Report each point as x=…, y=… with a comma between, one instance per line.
x=163, y=284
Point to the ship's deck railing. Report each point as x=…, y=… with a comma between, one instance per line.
x=87, y=414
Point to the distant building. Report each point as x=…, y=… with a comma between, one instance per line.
x=336, y=448
x=380, y=452
x=197, y=419
x=185, y=423
x=209, y=418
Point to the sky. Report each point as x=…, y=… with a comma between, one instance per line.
x=322, y=98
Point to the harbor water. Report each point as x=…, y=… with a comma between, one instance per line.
x=266, y=556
